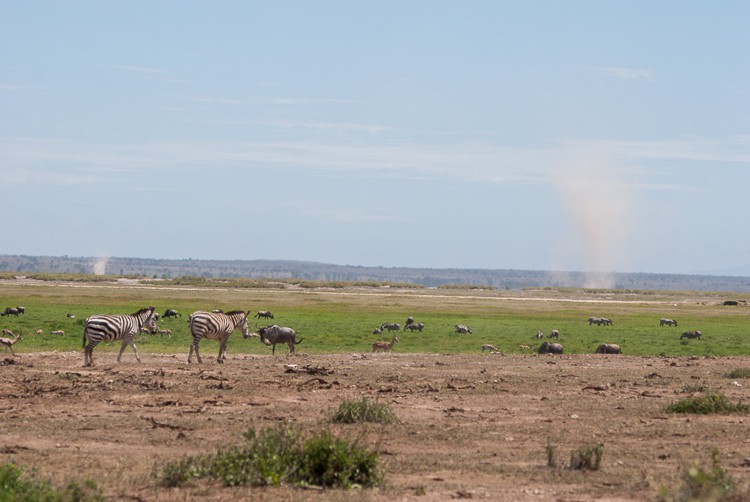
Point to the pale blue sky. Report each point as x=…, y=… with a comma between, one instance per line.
x=585, y=135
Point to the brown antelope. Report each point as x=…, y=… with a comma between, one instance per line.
x=8, y=343
x=385, y=346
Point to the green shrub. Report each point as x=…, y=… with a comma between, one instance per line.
x=278, y=456
x=714, y=484
x=739, y=373
x=550, y=449
x=15, y=485
x=587, y=457
x=364, y=410
x=707, y=404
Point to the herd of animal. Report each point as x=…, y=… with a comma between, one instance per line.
x=218, y=325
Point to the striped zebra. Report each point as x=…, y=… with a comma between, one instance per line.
x=115, y=327
x=215, y=326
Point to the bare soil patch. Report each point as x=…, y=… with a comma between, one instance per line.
x=472, y=426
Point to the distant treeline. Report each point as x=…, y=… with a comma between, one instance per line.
x=312, y=271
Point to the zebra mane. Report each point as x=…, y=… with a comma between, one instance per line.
x=234, y=312
x=143, y=311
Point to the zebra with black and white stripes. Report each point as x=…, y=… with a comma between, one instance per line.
x=103, y=327
x=215, y=326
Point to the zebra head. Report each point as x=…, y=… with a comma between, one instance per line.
x=239, y=319
x=147, y=320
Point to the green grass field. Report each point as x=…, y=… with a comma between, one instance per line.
x=341, y=320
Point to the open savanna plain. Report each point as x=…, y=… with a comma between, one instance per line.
x=471, y=424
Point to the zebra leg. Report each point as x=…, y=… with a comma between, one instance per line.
x=222, y=352
x=128, y=341
x=197, y=353
x=88, y=355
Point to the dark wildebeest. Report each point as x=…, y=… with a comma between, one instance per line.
x=271, y=335
x=550, y=348
x=460, y=328
x=539, y=335
x=667, y=322
x=377, y=331
x=10, y=311
x=414, y=325
x=554, y=334
x=731, y=302
x=264, y=313
x=21, y=310
x=608, y=348
x=691, y=334
x=170, y=313
x=390, y=326
x=409, y=320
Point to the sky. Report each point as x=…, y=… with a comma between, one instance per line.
x=594, y=135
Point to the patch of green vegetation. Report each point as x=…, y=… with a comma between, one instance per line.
x=364, y=410
x=343, y=321
x=17, y=485
x=707, y=404
x=587, y=458
x=712, y=484
x=691, y=388
x=739, y=373
x=282, y=455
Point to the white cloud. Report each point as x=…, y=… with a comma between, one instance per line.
x=624, y=73
x=479, y=162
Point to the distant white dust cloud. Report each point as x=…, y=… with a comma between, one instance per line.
x=599, y=201
x=100, y=266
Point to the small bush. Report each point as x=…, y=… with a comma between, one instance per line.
x=714, y=484
x=364, y=410
x=739, y=373
x=587, y=457
x=16, y=485
x=695, y=387
x=550, y=449
x=707, y=404
x=282, y=455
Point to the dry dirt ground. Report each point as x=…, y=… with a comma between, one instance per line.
x=472, y=426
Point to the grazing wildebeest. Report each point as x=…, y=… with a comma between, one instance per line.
x=608, y=348
x=377, y=331
x=409, y=320
x=171, y=313
x=264, y=313
x=271, y=335
x=10, y=311
x=554, y=334
x=460, y=328
x=731, y=302
x=539, y=335
x=667, y=322
x=550, y=348
x=691, y=334
x=390, y=326
x=414, y=325
x=21, y=310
